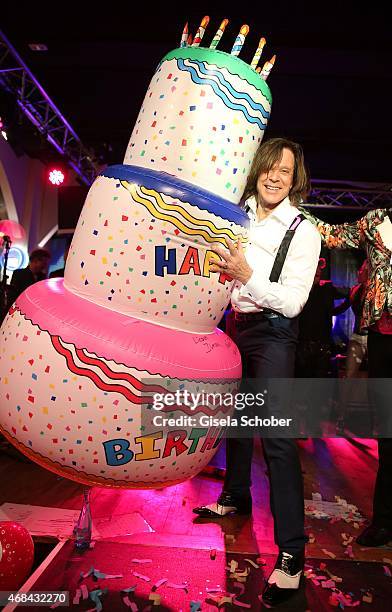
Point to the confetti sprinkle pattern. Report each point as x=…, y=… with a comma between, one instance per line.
x=234, y=100
x=150, y=258
x=76, y=355
x=196, y=111
x=112, y=377
x=156, y=205
x=61, y=418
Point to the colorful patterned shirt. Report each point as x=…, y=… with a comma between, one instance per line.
x=364, y=234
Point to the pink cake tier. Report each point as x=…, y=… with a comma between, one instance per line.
x=78, y=383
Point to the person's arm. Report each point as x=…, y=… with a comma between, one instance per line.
x=345, y=305
x=338, y=293
x=341, y=236
x=290, y=294
x=354, y=292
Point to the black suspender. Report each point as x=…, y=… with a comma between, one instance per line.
x=283, y=249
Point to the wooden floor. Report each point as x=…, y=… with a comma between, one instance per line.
x=331, y=467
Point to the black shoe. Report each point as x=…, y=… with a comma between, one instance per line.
x=227, y=503
x=375, y=536
x=285, y=579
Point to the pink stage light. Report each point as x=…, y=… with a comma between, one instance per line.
x=56, y=177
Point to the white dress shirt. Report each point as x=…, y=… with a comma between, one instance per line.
x=289, y=295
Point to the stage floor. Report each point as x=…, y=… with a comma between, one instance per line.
x=333, y=467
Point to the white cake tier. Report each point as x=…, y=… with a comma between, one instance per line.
x=202, y=119
x=143, y=245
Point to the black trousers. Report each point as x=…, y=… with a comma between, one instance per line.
x=267, y=348
x=313, y=359
x=380, y=366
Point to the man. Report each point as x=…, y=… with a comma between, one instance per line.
x=273, y=283
x=37, y=270
x=357, y=346
x=314, y=350
x=315, y=326
x=373, y=232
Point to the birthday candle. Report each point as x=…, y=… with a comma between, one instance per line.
x=239, y=41
x=267, y=68
x=200, y=31
x=219, y=34
x=189, y=41
x=184, y=36
x=257, y=55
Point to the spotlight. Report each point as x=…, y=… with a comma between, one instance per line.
x=38, y=47
x=2, y=129
x=56, y=177
x=17, y=258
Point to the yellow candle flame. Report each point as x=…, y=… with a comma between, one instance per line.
x=200, y=32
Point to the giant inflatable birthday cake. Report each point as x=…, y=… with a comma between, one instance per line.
x=136, y=313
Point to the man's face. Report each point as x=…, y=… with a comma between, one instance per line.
x=274, y=186
x=39, y=265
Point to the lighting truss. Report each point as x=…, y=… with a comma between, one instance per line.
x=345, y=194
x=16, y=78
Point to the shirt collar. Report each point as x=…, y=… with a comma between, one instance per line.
x=284, y=212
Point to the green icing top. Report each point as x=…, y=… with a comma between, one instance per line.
x=234, y=64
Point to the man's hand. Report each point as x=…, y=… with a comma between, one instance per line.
x=233, y=263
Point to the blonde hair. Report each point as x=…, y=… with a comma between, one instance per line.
x=267, y=155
